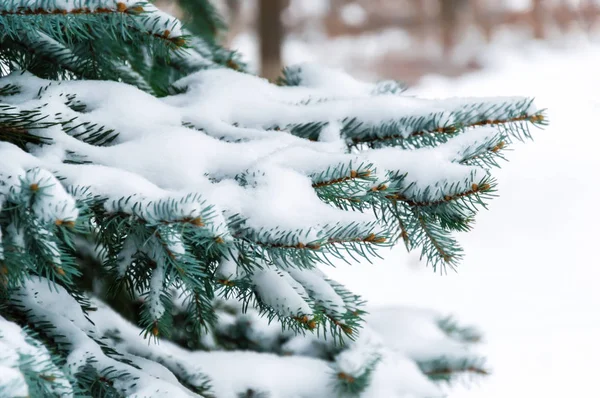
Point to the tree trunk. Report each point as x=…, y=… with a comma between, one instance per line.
x=539, y=19
x=270, y=30
x=420, y=10
x=590, y=10
x=481, y=17
x=449, y=10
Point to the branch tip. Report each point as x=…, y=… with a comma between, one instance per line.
x=345, y=377
x=66, y=223
x=498, y=147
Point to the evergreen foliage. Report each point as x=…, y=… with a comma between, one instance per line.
x=150, y=189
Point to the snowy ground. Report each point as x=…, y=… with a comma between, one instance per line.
x=531, y=275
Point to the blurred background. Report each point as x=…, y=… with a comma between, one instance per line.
x=530, y=278
x=397, y=39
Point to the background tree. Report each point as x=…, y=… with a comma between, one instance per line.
x=271, y=34
x=539, y=16
x=449, y=16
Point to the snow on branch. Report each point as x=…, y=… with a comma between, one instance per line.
x=80, y=344
x=386, y=358
x=271, y=196
x=31, y=13
x=27, y=367
x=235, y=187
x=128, y=41
x=365, y=118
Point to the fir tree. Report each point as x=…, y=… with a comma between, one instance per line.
x=151, y=189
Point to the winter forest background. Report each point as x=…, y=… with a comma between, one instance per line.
x=530, y=276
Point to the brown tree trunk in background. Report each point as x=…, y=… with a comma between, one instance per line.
x=270, y=32
x=420, y=9
x=590, y=11
x=482, y=19
x=563, y=17
x=449, y=23
x=538, y=19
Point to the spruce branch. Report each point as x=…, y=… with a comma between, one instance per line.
x=448, y=370
x=202, y=18
x=355, y=384
x=471, y=195
x=137, y=17
x=254, y=187
x=18, y=126
x=353, y=175
x=293, y=248
x=421, y=134
x=461, y=333
x=437, y=246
